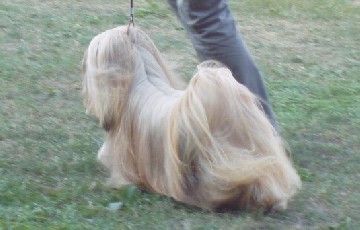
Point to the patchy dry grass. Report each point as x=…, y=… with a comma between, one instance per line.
x=307, y=50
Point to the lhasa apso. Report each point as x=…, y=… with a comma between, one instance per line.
x=208, y=145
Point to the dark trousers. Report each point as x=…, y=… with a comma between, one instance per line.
x=212, y=30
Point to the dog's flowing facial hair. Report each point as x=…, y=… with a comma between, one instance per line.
x=209, y=145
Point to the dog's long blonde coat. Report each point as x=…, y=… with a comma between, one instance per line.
x=209, y=145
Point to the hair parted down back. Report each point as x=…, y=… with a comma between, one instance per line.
x=208, y=145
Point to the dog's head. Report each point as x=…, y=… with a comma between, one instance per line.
x=108, y=68
x=110, y=63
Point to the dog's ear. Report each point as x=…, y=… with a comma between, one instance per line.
x=84, y=61
x=85, y=92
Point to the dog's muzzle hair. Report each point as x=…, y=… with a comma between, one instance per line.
x=208, y=145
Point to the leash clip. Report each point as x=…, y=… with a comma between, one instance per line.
x=131, y=21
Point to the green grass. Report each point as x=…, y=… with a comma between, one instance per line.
x=308, y=51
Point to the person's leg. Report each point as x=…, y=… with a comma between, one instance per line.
x=213, y=33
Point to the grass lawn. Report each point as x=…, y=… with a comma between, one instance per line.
x=308, y=51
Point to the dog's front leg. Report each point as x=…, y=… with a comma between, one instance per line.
x=107, y=158
x=104, y=156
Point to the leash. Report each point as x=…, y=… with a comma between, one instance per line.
x=131, y=21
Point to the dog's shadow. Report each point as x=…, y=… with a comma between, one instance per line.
x=228, y=210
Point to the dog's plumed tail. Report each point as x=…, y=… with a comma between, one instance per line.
x=223, y=148
x=209, y=145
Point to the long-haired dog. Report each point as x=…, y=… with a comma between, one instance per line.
x=209, y=145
